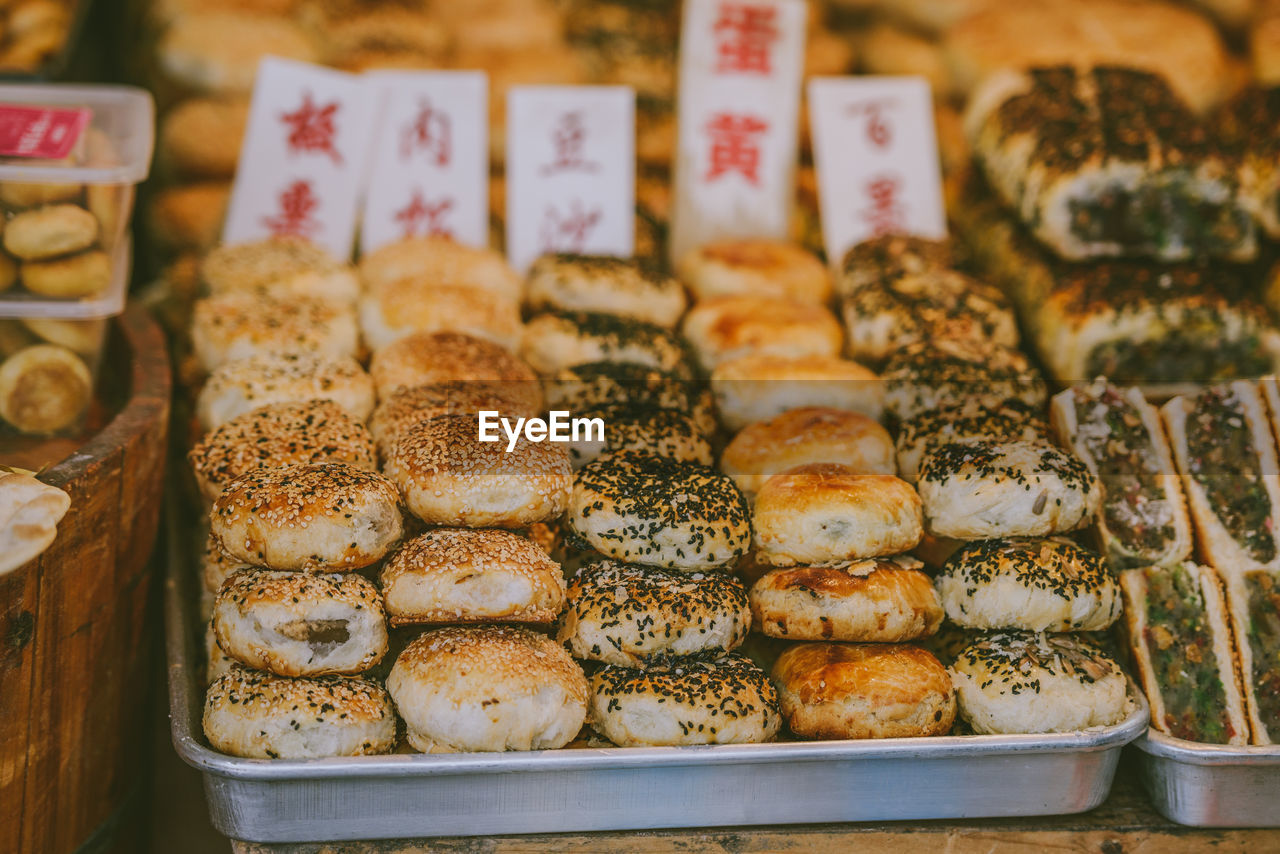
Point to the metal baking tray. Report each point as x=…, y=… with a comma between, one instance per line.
x=1211, y=785
x=415, y=795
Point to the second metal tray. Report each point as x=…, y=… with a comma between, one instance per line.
x=415, y=795
x=1211, y=785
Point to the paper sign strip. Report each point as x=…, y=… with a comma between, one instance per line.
x=570, y=171
x=875, y=148
x=740, y=68
x=304, y=156
x=429, y=171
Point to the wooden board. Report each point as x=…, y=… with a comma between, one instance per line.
x=79, y=623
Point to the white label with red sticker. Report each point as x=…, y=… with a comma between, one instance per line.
x=740, y=69
x=430, y=164
x=570, y=171
x=304, y=156
x=875, y=148
x=44, y=132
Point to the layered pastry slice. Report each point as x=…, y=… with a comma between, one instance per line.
x=1119, y=437
x=1253, y=600
x=1181, y=641
x=1224, y=451
x=1250, y=126
x=1108, y=162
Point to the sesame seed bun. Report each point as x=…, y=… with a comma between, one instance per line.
x=488, y=688
x=555, y=340
x=324, y=517
x=396, y=309
x=703, y=699
x=801, y=436
x=441, y=261
x=283, y=267
x=836, y=690
x=756, y=267
x=980, y=489
x=216, y=566
x=619, y=286
x=920, y=434
x=300, y=623
x=243, y=385
x=404, y=408
x=869, y=601
x=761, y=386
x=594, y=385
x=622, y=613
x=467, y=575
x=726, y=328
x=260, y=715
x=280, y=434
x=661, y=432
x=948, y=372
x=639, y=508
x=449, y=477
x=430, y=357
x=1011, y=681
x=1041, y=585
x=241, y=325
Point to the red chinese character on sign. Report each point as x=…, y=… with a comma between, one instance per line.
x=879, y=131
x=568, y=233
x=297, y=202
x=429, y=132
x=569, y=138
x=745, y=33
x=421, y=217
x=312, y=128
x=735, y=146
x=885, y=213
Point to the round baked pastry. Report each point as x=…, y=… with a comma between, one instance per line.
x=888, y=600
x=300, y=623
x=799, y=437
x=699, y=699
x=1043, y=585
x=726, y=328
x=217, y=662
x=885, y=315
x=443, y=261
x=836, y=690
x=468, y=575
x=757, y=267
x=23, y=194
x=216, y=566
x=449, y=477
x=1012, y=681
x=247, y=384
x=406, y=407
x=280, y=434
x=979, y=489
x=82, y=337
x=622, y=613
x=1010, y=420
x=825, y=513
x=661, y=432
x=396, y=309
x=44, y=388
x=948, y=372
x=218, y=50
x=432, y=357
x=490, y=688
x=259, y=715
x=763, y=386
x=555, y=340
x=593, y=385
x=640, y=508
x=241, y=325
x=188, y=217
x=283, y=267
x=890, y=257
x=326, y=517
x=622, y=286
x=79, y=276
x=50, y=231
x=201, y=137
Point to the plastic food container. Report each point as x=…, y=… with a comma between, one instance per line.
x=65, y=219
x=50, y=354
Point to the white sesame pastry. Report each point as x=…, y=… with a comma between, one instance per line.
x=237, y=387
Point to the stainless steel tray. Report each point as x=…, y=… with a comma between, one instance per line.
x=413, y=795
x=1211, y=785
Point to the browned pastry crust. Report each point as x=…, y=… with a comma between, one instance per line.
x=832, y=691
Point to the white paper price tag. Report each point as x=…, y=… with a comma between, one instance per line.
x=740, y=68
x=304, y=155
x=429, y=173
x=570, y=171
x=876, y=151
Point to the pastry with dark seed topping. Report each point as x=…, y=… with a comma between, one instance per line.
x=948, y=372
x=555, y=340
x=592, y=385
x=625, y=287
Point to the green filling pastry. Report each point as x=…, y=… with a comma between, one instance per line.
x=1264, y=645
